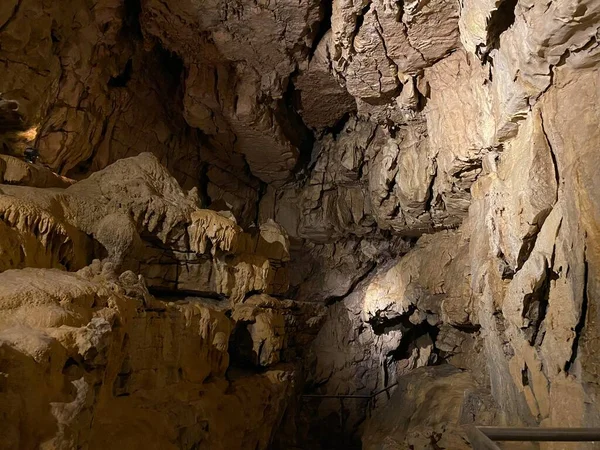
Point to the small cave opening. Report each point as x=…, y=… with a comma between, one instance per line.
x=410, y=337
x=54, y=35
x=176, y=294
x=243, y=357
x=383, y=325
x=171, y=66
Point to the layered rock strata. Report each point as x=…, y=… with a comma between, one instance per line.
x=92, y=358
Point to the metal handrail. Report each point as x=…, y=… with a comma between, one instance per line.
x=371, y=396
x=341, y=397
x=482, y=438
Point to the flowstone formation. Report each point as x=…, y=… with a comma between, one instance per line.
x=129, y=352
x=238, y=203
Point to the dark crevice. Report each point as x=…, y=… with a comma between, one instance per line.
x=165, y=293
x=410, y=332
x=121, y=385
x=581, y=324
x=131, y=20
x=54, y=37
x=525, y=376
x=360, y=18
x=324, y=25
x=203, y=186
x=410, y=336
x=421, y=101
x=123, y=78
x=392, y=128
x=552, y=155
x=500, y=20
x=340, y=125
x=262, y=190
x=531, y=238
x=241, y=348
x=243, y=359
x=468, y=328
x=526, y=249
x=535, y=306
x=430, y=196
x=171, y=65
x=252, y=293
x=383, y=325
x=470, y=166
x=12, y=16
x=73, y=368
x=507, y=272
x=293, y=127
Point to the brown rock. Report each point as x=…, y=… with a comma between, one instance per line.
x=426, y=171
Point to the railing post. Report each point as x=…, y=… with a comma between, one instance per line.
x=342, y=435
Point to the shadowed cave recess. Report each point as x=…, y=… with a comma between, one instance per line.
x=297, y=225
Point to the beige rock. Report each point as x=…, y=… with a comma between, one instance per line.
x=16, y=171
x=389, y=40
x=400, y=181
x=541, y=304
x=270, y=324
x=33, y=237
x=137, y=212
x=210, y=227
x=324, y=101
x=66, y=333
x=435, y=402
x=464, y=132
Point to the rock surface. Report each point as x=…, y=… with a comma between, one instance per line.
x=97, y=341
x=236, y=203
x=114, y=367
x=443, y=400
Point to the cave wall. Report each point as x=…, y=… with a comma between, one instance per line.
x=132, y=318
x=424, y=170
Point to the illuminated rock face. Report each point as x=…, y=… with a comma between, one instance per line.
x=128, y=352
x=237, y=202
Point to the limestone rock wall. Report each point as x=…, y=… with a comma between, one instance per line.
x=424, y=170
x=97, y=361
x=90, y=357
x=441, y=397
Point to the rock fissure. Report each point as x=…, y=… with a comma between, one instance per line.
x=12, y=16
x=217, y=217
